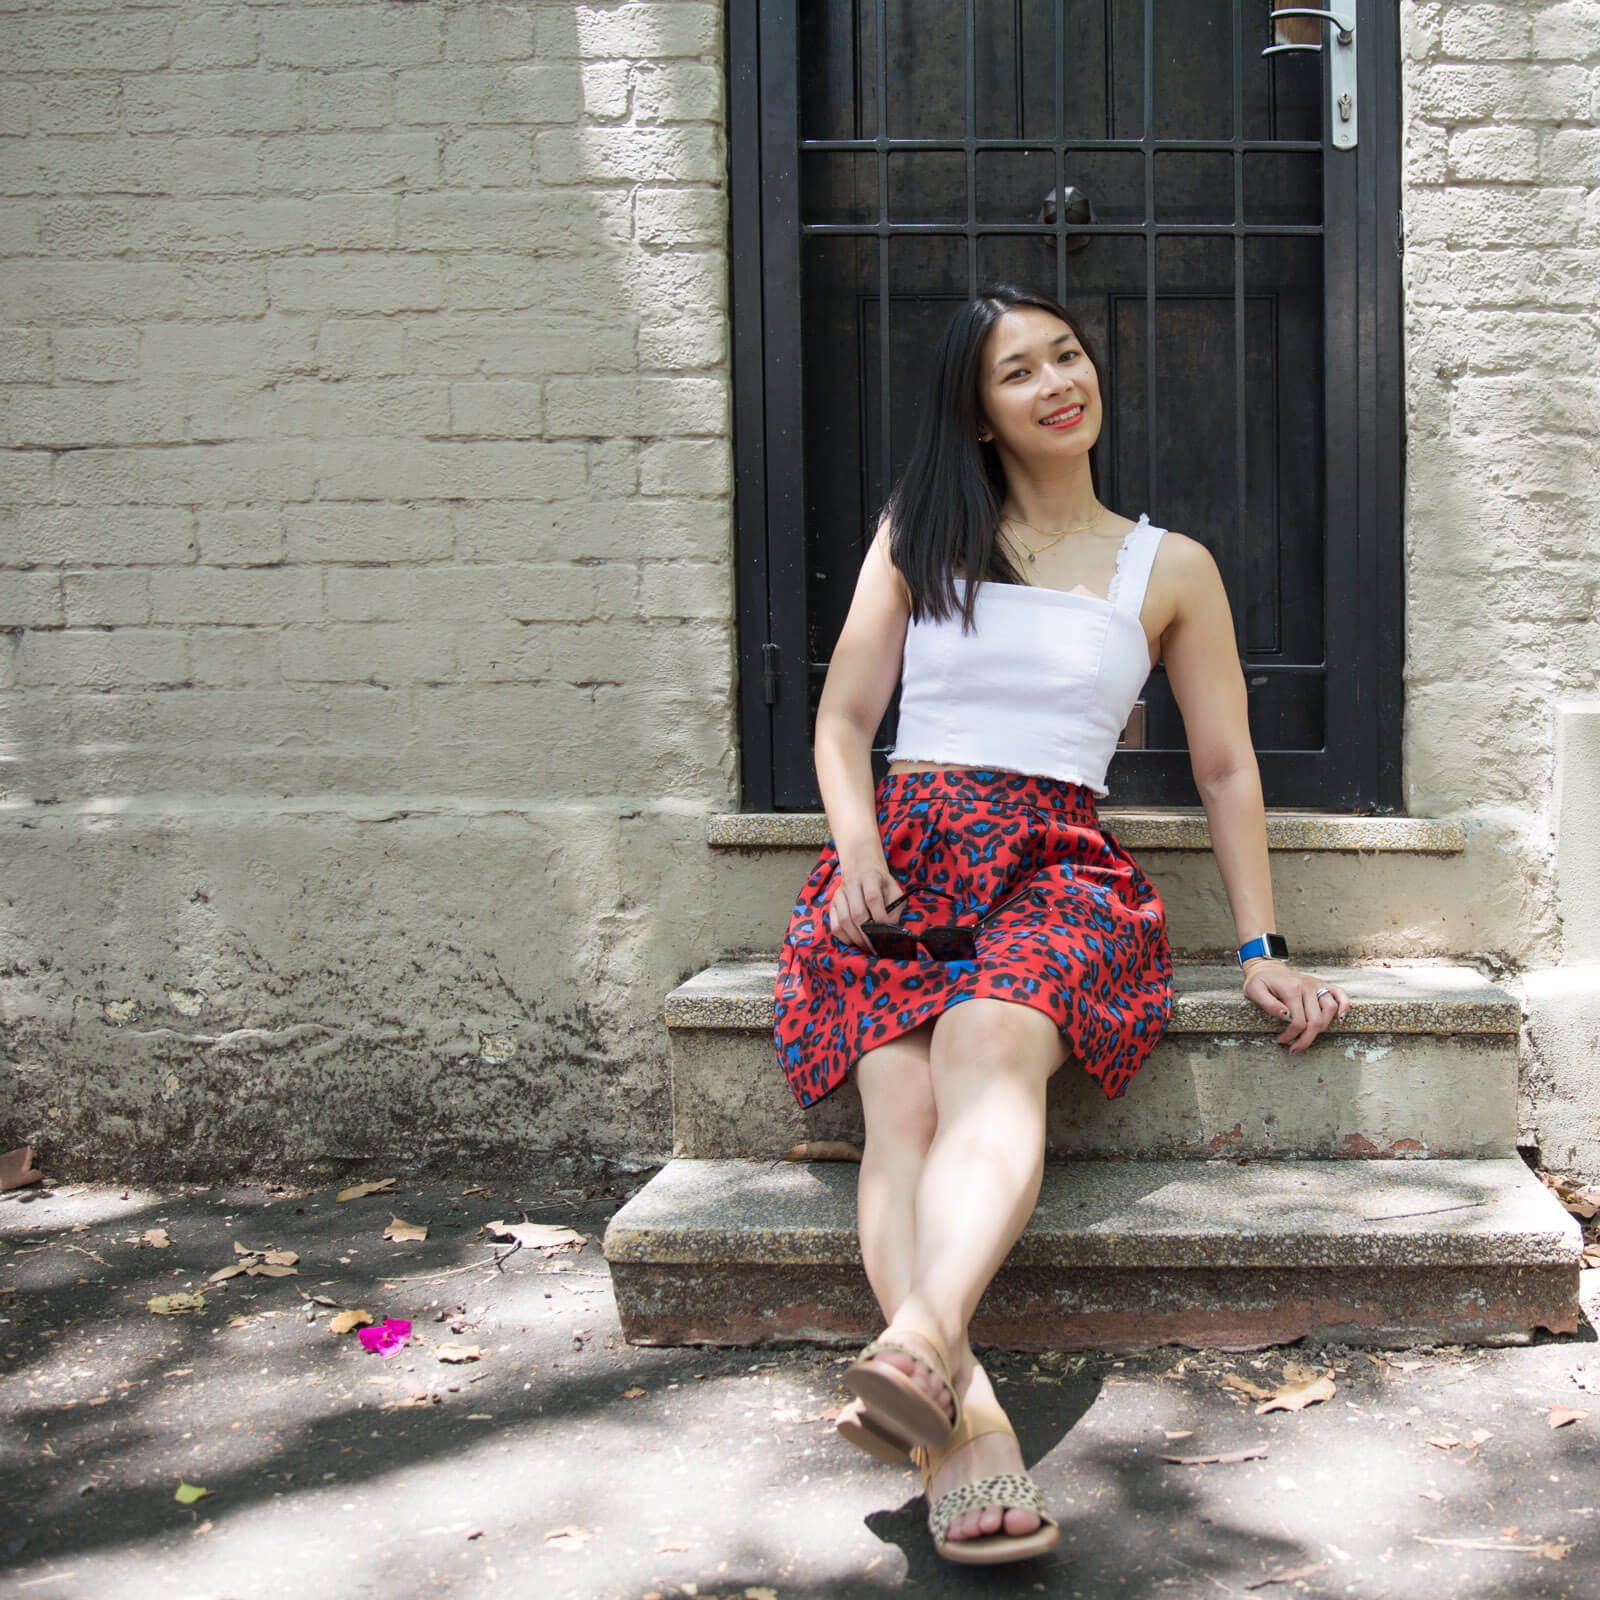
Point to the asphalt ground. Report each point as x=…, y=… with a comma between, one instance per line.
x=562, y=1462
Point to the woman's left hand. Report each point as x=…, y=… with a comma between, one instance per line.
x=1292, y=996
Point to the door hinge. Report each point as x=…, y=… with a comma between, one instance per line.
x=1399, y=233
x=769, y=674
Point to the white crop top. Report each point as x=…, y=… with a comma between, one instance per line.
x=1043, y=684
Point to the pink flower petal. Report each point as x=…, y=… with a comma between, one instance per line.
x=387, y=1338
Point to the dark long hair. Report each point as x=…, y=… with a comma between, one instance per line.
x=944, y=509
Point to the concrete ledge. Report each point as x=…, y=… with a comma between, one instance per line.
x=1123, y=1255
x=1445, y=999
x=1143, y=829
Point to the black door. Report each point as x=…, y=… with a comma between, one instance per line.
x=1235, y=267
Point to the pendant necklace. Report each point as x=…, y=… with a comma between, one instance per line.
x=1053, y=539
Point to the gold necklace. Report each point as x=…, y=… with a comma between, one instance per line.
x=1053, y=538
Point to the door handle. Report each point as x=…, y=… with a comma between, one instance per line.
x=1075, y=208
x=1341, y=69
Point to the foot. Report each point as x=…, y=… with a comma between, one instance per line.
x=924, y=1371
x=982, y=1457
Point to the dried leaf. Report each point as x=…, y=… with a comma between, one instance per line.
x=760, y=1592
x=346, y=1320
x=1228, y=1459
x=1292, y=1575
x=633, y=1394
x=1561, y=1416
x=1481, y=1436
x=155, y=1237
x=188, y=1493
x=175, y=1305
x=672, y=1545
x=357, y=1190
x=1591, y=1255
x=1548, y=1550
x=458, y=1352
x=1580, y=1201
x=1295, y=1372
x=1429, y=1494
x=17, y=1170
x=264, y=1269
x=1444, y=1443
x=1233, y=1381
x=567, y=1538
x=322, y=1299
x=281, y=1258
x=229, y=1272
x=546, y=1237
x=1296, y=1397
x=823, y=1150
x=405, y=1232
x=244, y=1249
x=1181, y=1433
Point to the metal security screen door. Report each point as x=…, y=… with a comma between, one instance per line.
x=1228, y=248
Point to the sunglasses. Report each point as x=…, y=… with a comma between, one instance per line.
x=947, y=942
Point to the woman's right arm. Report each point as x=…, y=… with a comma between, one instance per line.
x=861, y=680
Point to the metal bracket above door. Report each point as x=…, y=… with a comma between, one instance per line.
x=1341, y=67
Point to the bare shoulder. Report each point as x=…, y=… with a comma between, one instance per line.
x=1183, y=570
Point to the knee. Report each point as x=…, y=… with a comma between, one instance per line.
x=900, y=1109
x=998, y=1041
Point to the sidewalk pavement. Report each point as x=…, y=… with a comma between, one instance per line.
x=560, y=1462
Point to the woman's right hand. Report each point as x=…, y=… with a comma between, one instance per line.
x=861, y=894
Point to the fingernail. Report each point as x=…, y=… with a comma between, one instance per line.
x=1283, y=1013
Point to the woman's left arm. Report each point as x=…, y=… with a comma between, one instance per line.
x=1202, y=662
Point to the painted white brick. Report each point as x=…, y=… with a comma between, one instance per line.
x=20, y=228
x=353, y=221
x=312, y=163
x=235, y=658
x=683, y=344
x=640, y=406
x=106, y=597
x=483, y=32
x=678, y=91
x=76, y=104
x=386, y=470
x=457, y=96
x=213, y=102
x=258, y=596
x=532, y=343
x=268, y=349
x=644, y=30
x=1486, y=32
x=1496, y=155
x=680, y=216
x=25, y=477
x=504, y=409
x=242, y=538
x=686, y=466
x=1495, y=216
x=368, y=533
x=374, y=652
x=360, y=347
x=687, y=154
x=131, y=42
x=606, y=90
x=216, y=38
x=358, y=408
x=370, y=594
x=226, y=165
x=568, y=223
x=110, y=535
x=348, y=99
x=30, y=600
x=105, y=658
x=219, y=227
x=24, y=355
x=1571, y=155
x=1570, y=31
x=1450, y=93
x=487, y=158
x=689, y=590
x=330, y=36
x=88, y=227
x=16, y=109
x=356, y=283
x=86, y=164
x=70, y=416
x=222, y=474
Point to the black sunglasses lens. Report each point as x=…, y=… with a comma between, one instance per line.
x=949, y=944
x=891, y=941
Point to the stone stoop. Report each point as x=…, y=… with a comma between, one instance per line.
x=1123, y=1255
x=1366, y=1191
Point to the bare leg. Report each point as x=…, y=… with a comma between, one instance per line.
x=990, y=1062
x=896, y=1087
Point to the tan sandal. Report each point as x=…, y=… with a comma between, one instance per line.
x=859, y=1429
x=895, y=1404
x=1013, y=1491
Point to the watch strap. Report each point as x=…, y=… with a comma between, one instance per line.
x=1266, y=944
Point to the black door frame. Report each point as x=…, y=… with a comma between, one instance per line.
x=1365, y=614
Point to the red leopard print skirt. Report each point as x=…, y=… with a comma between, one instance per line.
x=1087, y=944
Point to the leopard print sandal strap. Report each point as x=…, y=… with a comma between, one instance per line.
x=1014, y=1491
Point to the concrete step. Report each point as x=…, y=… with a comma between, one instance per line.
x=1423, y=1065
x=1356, y=886
x=1123, y=1255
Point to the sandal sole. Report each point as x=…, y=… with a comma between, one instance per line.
x=896, y=1404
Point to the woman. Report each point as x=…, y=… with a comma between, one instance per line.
x=970, y=925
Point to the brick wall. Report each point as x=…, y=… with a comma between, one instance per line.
x=1502, y=206
x=366, y=658
x=364, y=391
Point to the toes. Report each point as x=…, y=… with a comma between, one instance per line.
x=1018, y=1523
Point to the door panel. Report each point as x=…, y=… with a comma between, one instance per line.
x=1223, y=259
